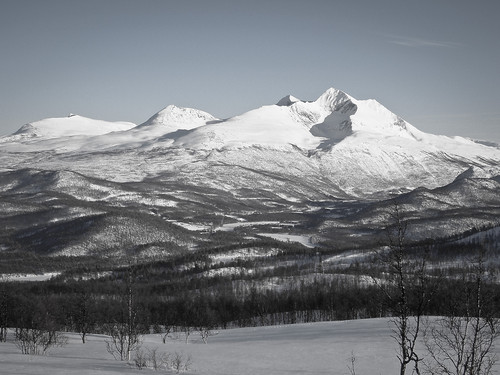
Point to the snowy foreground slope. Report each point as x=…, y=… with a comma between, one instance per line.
x=318, y=348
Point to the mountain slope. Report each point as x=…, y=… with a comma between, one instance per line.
x=338, y=144
x=317, y=169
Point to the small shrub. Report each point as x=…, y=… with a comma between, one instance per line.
x=140, y=359
x=151, y=359
x=179, y=363
x=37, y=341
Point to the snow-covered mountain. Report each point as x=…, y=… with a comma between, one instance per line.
x=338, y=144
x=66, y=127
x=307, y=125
x=291, y=158
x=174, y=118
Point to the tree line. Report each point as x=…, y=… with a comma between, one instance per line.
x=397, y=281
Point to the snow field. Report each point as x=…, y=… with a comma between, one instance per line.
x=317, y=348
x=306, y=349
x=28, y=277
x=285, y=237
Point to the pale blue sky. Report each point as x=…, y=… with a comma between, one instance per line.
x=435, y=63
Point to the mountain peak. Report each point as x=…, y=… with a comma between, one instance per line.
x=70, y=125
x=179, y=118
x=357, y=146
x=332, y=99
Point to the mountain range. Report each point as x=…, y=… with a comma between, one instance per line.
x=324, y=169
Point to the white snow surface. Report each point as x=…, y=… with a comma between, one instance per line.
x=286, y=237
x=70, y=126
x=333, y=117
x=306, y=349
x=334, y=114
x=28, y=277
x=174, y=118
x=318, y=348
x=356, y=147
x=267, y=126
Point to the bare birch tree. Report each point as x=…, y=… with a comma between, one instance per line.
x=124, y=334
x=462, y=343
x=83, y=314
x=406, y=288
x=4, y=312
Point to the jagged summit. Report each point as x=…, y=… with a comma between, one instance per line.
x=312, y=125
x=335, y=115
x=332, y=99
x=328, y=100
x=180, y=118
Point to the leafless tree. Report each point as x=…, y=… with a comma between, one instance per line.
x=83, y=314
x=206, y=332
x=154, y=360
x=37, y=330
x=406, y=289
x=4, y=312
x=141, y=359
x=122, y=341
x=39, y=336
x=351, y=366
x=462, y=343
x=179, y=362
x=37, y=341
x=167, y=329
x=187, y=329
x=124, y=335
x=150, y=358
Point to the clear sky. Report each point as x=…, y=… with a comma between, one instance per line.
x=436, y=63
